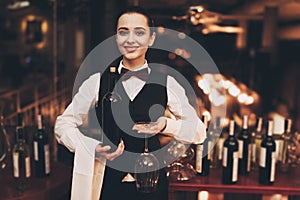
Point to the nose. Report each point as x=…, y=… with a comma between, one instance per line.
x=130, y=38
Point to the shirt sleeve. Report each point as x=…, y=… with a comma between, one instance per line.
x=185, y=124
x=67, y=125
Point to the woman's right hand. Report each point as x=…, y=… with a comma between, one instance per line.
x=102, y=151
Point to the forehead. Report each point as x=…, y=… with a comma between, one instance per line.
x=132, y=20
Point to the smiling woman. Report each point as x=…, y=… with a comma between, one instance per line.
x=147, y=95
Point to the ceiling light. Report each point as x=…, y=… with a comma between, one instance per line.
x=16, y=5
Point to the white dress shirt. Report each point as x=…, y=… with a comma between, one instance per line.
x=184, y=124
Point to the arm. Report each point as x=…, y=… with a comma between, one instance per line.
x=185, y=124
x=67, y=125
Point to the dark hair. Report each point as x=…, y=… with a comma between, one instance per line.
x=139, y=10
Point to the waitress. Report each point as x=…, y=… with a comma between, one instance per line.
x=93, y=174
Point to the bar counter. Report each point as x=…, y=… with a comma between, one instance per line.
x=285, y=184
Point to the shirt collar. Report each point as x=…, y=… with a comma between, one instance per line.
x=141, y=67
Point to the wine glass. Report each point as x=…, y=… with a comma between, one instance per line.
x=180, y=169
x=146, y=167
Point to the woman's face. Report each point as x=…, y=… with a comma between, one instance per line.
x=134, y=37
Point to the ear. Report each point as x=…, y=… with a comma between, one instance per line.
x=152, y=39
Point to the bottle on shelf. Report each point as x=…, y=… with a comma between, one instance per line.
x=230, y=157
x=267, y=162
x=202, y=161
x=41, y=150
x=284, y=163
x=244, y=140
x=5, y=148
x=216, y=150
x=110, y=102
x=256, y=139
x=21, y=158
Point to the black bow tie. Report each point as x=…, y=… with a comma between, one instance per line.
x=141, y=74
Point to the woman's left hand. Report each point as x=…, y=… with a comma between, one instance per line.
x=152, y=127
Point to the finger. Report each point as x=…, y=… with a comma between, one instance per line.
x=100, y=149
x=118, y=152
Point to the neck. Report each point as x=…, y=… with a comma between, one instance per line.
x=133, y=64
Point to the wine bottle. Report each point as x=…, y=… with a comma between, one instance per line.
x=230, y=158
x=41, y=150
x=202, y=158
x=244, y=140
x=284, y=163
x=256, y=139
x=21, y=158
x=267, y=162
x=110, y=135
x=216, y=150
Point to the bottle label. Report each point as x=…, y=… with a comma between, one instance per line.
x=253, y=152
x=273, y=165
x=35, y=151
x=249, y=158
x=241, y=146
x=279, y=147
x=225, y=155
x=16, y=164
x=262, y=160
x=27, y=167
x=199, y=154
x=221, y=144
x=210, y=150
x=235, y=166
x=47, y=158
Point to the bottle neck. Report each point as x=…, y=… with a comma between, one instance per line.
x=231, y=128
x=245, y=122
x=40, y=122
x=270, y=129
x=259, y=124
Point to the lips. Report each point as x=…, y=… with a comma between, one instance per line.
x=131, y=48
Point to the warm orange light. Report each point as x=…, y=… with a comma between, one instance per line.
x=44, y=27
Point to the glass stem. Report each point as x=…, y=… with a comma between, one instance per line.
x=146, y=144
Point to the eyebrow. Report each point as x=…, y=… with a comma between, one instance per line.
x=136, y=28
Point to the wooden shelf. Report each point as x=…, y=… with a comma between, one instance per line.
x=286, y=184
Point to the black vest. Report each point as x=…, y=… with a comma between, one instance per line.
x=149, y=104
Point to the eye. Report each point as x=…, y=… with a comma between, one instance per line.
x=140, y=33
x=123, y=33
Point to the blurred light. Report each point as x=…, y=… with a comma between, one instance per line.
x=181, y=35
x=160, y=30
x=242, y=98
x=226, y=84
x=30, y=17
x=203, y=195
x=44, y=27
x=15, y=5
x=249, y=100
x=178, y=51
x=234, y=91
x=203, y=84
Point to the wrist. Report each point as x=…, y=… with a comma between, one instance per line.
x=165, y=126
